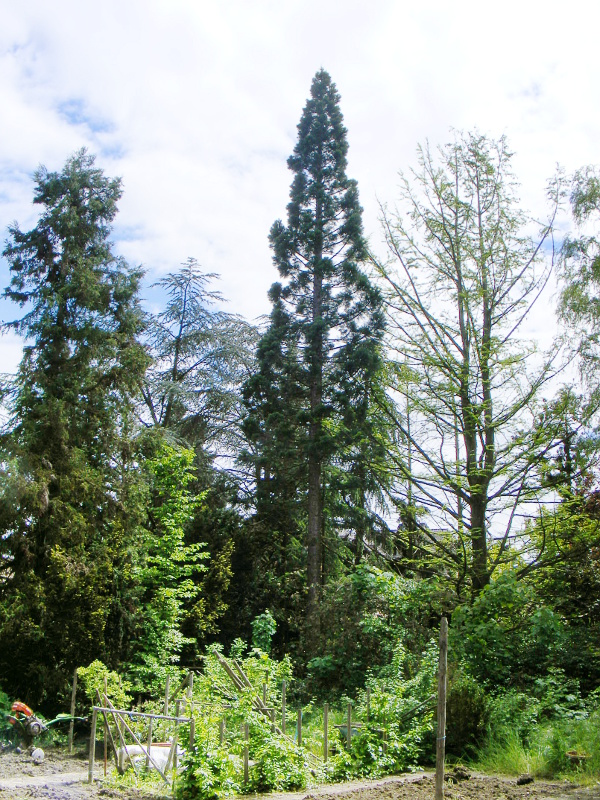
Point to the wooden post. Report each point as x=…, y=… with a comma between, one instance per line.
x=72, y=723
x=123, y=747
x=156, y=766
x=175, y=736
x=221, y=731
x=440, y=750
x=105, y=726
x=190, y=695
x=384, y=744
x=246, y=740
x=166, y=706
x=149, y=746
x=299, y=726
x=283, y=706
x=264, y=694
x=325, y=731
x=103, y=704
x=368, y=705
x=92, y=747
x=349, y=724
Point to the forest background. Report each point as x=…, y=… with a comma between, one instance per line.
x=387, y=447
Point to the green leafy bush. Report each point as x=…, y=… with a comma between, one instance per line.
x=279, y=764
x=92, y=678
x=467, y=714
x=207, y=775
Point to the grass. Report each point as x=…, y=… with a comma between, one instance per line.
x=544, y=753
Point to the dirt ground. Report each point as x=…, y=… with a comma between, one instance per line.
x=61, y=777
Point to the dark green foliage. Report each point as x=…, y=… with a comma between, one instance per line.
x=467, y=714
x=71, y=497
x=365, y=616
x=317, y=357
x=506, y=636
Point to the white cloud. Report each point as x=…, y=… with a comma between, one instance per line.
x=195, y=104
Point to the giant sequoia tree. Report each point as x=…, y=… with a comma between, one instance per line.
x=71, y=498
x=324, y=334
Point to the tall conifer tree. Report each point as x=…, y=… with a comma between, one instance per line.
x=71, y=499
x=325, y=332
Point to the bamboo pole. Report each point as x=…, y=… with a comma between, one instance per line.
x=166, y=705
x=123, y=751
x=440, y=750
x=283, y=706
x=149, y=742
x=92, y=747
x=325, y=732
x=299, y=727
x=349, y=726
x=190, y=699
x=246, y=740
x=72, y=723
x=172, y=757
x=114, y=712
x=107, y=729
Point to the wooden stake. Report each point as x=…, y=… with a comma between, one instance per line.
x=105, y=725
x=190, y=695
x=166, y=703
x=440, y=750
x=72, y=723
x=349, y=726
x=264, y=694
x=172, y=757
x=107, y=732
x=166, y=706
x=283, y=706
x=246, y=739
x=299, y=727
x=149, y=743
x=115, y=713
x=92, y=747
x=325, y=732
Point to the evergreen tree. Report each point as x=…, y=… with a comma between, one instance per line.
x=72, y=497
x=325, y=330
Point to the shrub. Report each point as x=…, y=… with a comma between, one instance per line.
x=207, y=775
x=467, y=714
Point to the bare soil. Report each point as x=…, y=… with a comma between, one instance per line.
x=62, y=777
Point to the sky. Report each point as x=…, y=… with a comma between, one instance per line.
x=194, y=103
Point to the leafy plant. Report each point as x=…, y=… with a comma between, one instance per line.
x=92, y=679
x=207, y=775
x=263, y=630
